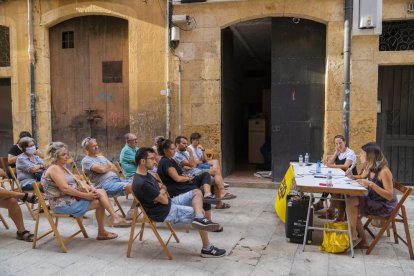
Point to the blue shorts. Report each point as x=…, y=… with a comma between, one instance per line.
x=116, y=188
x=204, y=166
x=77, y=209
x=181, y=211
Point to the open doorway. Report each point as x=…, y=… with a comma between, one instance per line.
x=6, y=125
x=273, y=93
x=246, y=82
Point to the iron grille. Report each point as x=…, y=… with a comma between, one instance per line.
x=397, y=36
x=4, y=46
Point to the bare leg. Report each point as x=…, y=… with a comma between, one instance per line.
x=100, y=218
x=219, y=182
x=15, y=213
x=352, y=207
x=197, y=203
x=106, y=204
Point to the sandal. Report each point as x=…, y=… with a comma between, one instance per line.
x=24, y=236
x=211, y=199
x=33, y=198
x=108, y=236
x=223, y=206
x=122, y=224
x=228, y=196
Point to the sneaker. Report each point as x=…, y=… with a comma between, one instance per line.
x=213, y=252
x=205, y=224
x=211, y=199
x=130, y=214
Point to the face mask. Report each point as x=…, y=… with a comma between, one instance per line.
x=31, y=150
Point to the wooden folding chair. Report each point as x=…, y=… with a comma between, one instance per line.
x=209, y=154
x=74, y=167
x=53, y=223
x=121, y=174
x=19, y=189
x=396, y=216
x=5, y=166
x=4, y=222
x=152, y=224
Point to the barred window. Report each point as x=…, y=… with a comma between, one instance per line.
x=397, y=36
x=4, y=46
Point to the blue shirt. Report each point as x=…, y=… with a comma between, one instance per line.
x=127, y=160
x=23, y=165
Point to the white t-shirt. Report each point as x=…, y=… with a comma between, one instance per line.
x=348, y=154
x=198, y=154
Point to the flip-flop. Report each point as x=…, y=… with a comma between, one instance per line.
x=223, y=206
x=108, y=236
x=228, y=196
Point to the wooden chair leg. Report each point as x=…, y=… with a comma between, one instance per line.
x=36, y=230
x=132, y=233
x=141, y=234
x=82, y=228
x=173, y=232
x=119, y=206
x=4, y=222
x=161, y=241
x=407, y=233
x=378, y=236
x=394, y=231
x=57, y=235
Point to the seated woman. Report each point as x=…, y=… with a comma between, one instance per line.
x=343, y=158
x=381, y=198
x=15, y=150
x=29, y=166
x=68, y=195
x=8, y=200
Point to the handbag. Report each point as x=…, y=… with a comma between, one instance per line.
x=335, y=242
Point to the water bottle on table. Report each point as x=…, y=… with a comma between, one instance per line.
x=318, y=167
x=300, y=160
x=329, y=179
x=306, y=159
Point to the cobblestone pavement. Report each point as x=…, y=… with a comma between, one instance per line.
x=253, y=237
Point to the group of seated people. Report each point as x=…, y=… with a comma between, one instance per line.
x=182, y=194
x=174, y=182
x=375, y=176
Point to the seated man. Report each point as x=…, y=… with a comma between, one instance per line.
x=201, y=158
x=102, y=173
x=127, y=155
x=185, y=158
x=8, y=200
x=183, y=209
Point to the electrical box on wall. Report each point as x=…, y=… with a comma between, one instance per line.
x=367, y=14
x=367, y=17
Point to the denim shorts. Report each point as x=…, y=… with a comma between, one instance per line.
x=77, y=209
x=204, y=166
x=181, y=211
x=116, y=188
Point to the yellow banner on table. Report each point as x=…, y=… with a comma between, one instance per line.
x=282, y=193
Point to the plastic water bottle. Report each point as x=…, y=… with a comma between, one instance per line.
x=306, y=159
x=329, y=179
x=318, y=167
x=300, y=160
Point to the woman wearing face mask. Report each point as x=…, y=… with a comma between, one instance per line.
x=29, y=166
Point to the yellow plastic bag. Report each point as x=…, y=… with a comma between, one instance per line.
x=335, y=242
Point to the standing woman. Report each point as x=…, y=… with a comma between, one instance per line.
x=343, y=158
x=381, y=198
x=68, y=195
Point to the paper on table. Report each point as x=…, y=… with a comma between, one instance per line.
x=345, y=181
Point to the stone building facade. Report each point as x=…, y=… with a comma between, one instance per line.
x=201, y=53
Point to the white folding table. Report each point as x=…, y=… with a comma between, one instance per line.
x=308, y=181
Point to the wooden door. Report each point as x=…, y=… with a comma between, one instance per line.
x=89, y=81
x=6, y=124
x=395, y=124
x=297, y=91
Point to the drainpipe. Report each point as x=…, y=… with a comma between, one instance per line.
x=31, y=53
x=347, y=65
x=167, y=93
x=179, y=97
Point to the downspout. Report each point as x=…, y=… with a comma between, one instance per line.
x=347, y=65
x=179, y=98
x=167, y=92
x=31, y=52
